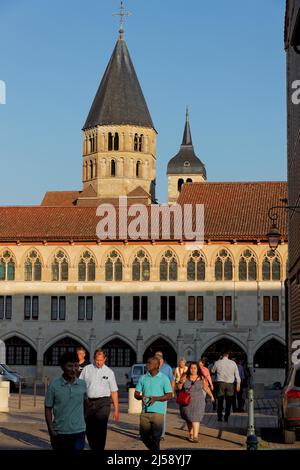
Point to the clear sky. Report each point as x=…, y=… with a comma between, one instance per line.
x=224, y=59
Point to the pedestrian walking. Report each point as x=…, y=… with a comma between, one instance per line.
x=206, y=374
x=81, y=353
x=154, y=388
x=167, y=370
x=240, y=397
x=193, y=382
x=101, y=389
x=227, y=372
x=180, y=370
x=64, y=407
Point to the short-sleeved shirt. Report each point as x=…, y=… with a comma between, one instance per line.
x=66, y=399
x=100, y=381
x=167, y=370
x=154, y=386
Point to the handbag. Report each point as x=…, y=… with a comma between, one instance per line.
x=183, y=398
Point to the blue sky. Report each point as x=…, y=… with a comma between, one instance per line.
x=224, y=59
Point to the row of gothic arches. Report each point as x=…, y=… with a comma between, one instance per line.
x=120, y=353
x=269, y=268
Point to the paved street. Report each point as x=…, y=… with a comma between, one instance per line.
x=25, y=428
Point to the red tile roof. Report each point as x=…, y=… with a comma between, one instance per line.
x=232, y=211
x=237, y=210
x=60, y=198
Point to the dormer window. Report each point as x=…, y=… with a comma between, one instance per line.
x=187, y=163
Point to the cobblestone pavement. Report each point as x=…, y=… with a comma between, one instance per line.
x=25, y=428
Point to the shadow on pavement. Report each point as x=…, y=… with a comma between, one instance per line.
x=26, y=438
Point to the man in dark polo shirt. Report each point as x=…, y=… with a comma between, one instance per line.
x=64, y=402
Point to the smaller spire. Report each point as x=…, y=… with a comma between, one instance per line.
x=187, y=136
x=121, y=15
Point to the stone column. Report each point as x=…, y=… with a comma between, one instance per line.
x=2, y=352
x=250, y=341
x=39, y=350
x=197, y=345
x=139, y=346
x=179, y=342
x=92, y=343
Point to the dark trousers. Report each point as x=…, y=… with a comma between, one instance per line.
x=151, y=427
x=96, y=418
x=225, y=390
x=68, y=442
x=240, y=399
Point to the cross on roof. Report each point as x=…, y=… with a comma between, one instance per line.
x=121, y=15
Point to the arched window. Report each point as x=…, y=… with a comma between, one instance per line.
x=116, y=141
x=141, y=142
x=271, y=267
x=119, y=354
x=110, y=141
x=60, y=267
x=86, y=267
x=33, y=267
x=92, y=144
x=91, y=170
x=113, y=267
x=223, y=266
x=54, y=353
x=168, y=267
x=19, y=352
x=247, y=266
x=86, y=167
x=141, y=267
x=270, y=355
x=189, y=180
x=196, y=267
x=7, y=266
x=136, y=142
x=112, y=168
x=179, y=184
x=138, y=169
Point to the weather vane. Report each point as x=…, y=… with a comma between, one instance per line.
x=121, y=15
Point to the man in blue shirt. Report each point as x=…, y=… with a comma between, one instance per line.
x=154, y=388
x=164, y=368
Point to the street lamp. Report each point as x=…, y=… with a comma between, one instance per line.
x=274, y=234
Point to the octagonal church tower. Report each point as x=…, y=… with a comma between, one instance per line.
x=119, y=138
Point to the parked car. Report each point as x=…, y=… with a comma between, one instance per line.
x=13, y=377
x=136, y=371
x=289, y=406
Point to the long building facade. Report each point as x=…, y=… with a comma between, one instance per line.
x=63, y=285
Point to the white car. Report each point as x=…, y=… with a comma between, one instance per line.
x=136, y=371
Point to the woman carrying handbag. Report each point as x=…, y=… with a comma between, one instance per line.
x=192, y=401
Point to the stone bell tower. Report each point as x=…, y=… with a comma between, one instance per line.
x=119, y=138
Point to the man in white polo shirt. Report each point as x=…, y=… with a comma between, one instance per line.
x=101, y=389
x=227, y=373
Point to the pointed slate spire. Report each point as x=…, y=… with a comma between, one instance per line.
x=119, y=99
x=187, y=136
x=186, y=161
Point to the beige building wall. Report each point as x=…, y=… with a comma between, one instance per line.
x=188, y=338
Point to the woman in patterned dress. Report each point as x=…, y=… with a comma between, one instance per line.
x=194, y=382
